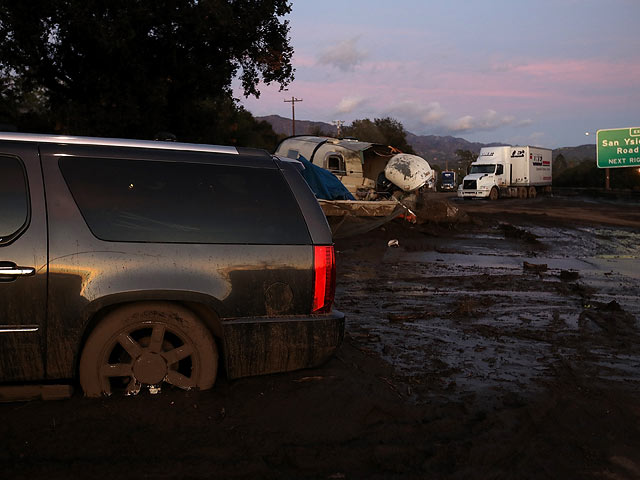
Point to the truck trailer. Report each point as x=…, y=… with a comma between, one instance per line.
x=508, y=171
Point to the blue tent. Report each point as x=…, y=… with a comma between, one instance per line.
x=324, y=183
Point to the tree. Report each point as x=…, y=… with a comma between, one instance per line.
x=132, y=68
x=586, y=174
x=318, y=131
x=394, y=133
x=364, y=130
x=560, y=164
x=385, y=131
x=466, y=158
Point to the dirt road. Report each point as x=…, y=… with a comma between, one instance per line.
x=504, y=347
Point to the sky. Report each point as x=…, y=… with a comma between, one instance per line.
x=522, y=72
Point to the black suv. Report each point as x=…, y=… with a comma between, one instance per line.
x=130, y=264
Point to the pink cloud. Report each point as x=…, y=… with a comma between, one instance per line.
x=467, y=99
x=583, y=72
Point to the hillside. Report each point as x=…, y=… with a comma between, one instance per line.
x=441, y=150
x=437, y=150
x=577, y=154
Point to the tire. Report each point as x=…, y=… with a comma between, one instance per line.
x=522, y=192
x=146, y=346
x=532, y=192
x=494, y=194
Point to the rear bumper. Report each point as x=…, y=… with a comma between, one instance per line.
x=261, y=345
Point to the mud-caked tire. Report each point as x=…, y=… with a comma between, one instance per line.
x=148, y=346
x=494, y=194
x=533, y=192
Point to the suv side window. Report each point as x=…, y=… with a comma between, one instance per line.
x=176, y=202
x=14, y=199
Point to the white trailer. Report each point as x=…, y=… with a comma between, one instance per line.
x=508, y=171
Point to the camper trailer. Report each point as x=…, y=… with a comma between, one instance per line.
x=360, y=166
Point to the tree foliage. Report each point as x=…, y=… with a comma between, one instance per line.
x=385, y=131
x=586, y=174
x=466, y=158
x=135, y=67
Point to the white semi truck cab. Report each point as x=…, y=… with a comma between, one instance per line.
x=508, y=171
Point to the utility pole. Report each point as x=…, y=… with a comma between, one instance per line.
x=293, y=113
x=338, y=124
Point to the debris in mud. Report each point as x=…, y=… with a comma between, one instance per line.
x=534, y=267
x=612, y=306
x=569, y=275
x=367, y=337
x=393, y=243
x=610, y=318
x=430, y=209
x=514, y=232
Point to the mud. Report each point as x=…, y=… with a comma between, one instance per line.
x=461, y=360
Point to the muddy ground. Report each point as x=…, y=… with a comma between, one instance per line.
x=504, y=346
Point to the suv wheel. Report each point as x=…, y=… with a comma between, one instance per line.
x=145, y=346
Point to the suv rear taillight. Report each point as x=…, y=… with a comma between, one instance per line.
x=324, y=279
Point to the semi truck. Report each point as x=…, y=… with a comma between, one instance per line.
x=508, y=171
x=447, y=180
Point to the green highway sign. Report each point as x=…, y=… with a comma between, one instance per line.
x=618, y=147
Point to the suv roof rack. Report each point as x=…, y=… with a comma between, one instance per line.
x=116, y=142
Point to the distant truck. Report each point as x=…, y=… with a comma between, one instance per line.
x=447, y=180
x=506, y=171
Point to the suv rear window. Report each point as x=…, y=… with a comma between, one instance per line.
x=176, y=202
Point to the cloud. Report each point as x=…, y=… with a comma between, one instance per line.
x=417, y=115
x=349, y=104
x=432, y=117
x=536, y=137
x=491, y=120
x=344, y=55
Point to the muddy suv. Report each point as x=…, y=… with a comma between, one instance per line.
x=131, y=265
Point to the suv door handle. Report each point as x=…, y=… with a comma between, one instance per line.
x=12, y=270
